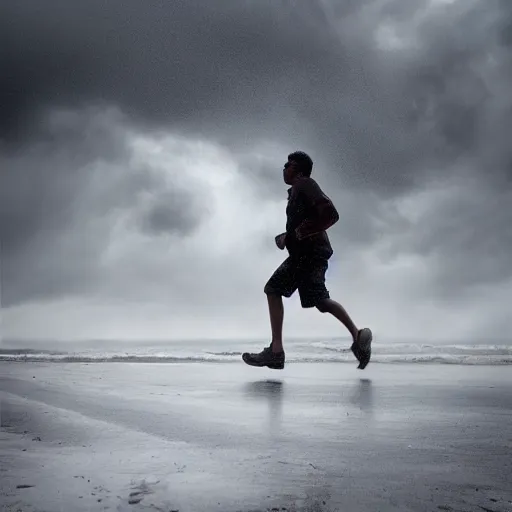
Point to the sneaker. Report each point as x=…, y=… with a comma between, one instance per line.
x=265, y=358
x=362, y=348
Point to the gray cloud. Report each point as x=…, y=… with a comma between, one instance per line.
x=467, y=241
x=171, y=212
x=60, y=196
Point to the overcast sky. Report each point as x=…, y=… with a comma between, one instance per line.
x=142, y=146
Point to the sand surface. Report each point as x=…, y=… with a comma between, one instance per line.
x=227, y=437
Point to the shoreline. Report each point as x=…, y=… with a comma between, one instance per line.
x=199, y=360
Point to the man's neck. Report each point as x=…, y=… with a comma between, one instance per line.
x=298, y=178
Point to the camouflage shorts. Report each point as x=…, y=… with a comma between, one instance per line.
x=307, y=274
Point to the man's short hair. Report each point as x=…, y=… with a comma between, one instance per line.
x=303, y=160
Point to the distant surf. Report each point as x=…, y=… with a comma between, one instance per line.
x=297, y=351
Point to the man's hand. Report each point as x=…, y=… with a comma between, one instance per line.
x=281, y=241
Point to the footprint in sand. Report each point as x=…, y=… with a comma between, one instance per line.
x=140, y=490
x=135, y=497
x=134, y=501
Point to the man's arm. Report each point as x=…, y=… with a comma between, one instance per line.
x=325, y=215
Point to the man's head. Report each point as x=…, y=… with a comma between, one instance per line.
x=299, y=164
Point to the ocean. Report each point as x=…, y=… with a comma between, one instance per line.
x=229, y=351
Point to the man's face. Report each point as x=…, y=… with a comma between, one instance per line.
x=290, y=172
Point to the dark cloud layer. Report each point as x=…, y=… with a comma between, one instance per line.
x=300, y=71
x=307, y=74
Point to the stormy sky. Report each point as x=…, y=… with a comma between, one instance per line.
x=142, y=143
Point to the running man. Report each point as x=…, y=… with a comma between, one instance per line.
x=309, y=214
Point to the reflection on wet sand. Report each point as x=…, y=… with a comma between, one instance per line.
x=270, y=390
x=362, y=395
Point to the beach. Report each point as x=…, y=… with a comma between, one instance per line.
x=221, y=436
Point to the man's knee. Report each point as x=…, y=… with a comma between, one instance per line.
x=272, y=291
x=269, y=289
x=322, y=306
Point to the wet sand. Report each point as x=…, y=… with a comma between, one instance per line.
x=227, y=437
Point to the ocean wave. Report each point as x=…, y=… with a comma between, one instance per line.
x=236, y=353
x=417, y=348
x=29, y=351
x=230, y=357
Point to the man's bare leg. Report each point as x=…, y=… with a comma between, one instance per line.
x=273, y=356
x=276, y=313
x=339, y=312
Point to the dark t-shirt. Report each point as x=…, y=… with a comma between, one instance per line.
x=301, y=199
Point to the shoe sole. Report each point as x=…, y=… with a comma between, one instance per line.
x=272, y=366
x=365, y=359
x=363, y=355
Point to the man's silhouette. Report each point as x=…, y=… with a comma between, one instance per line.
x=309, y=214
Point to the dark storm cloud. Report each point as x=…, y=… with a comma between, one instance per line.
x=173, y=62
x=296, y=71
